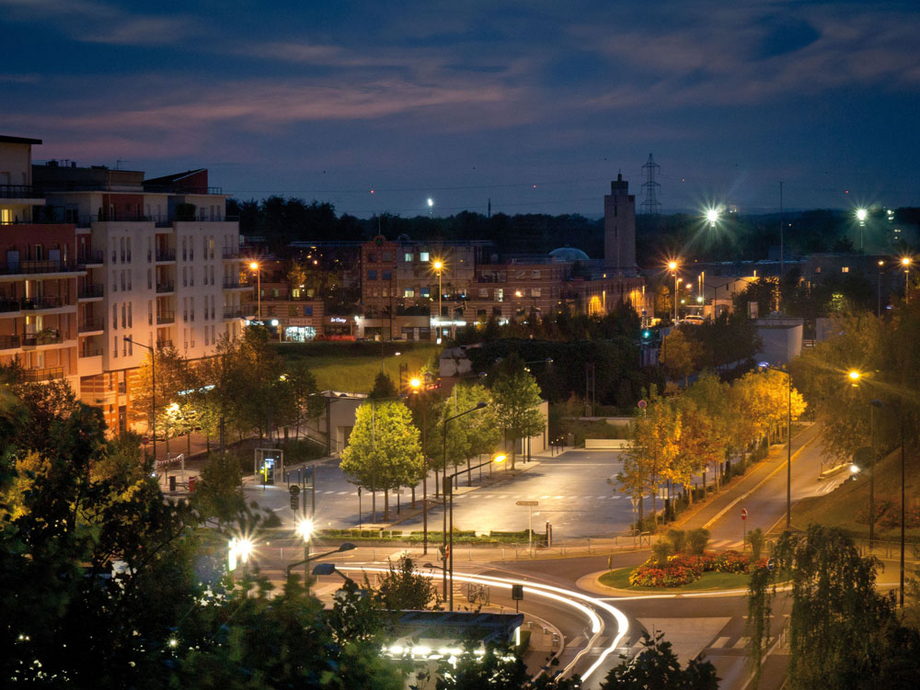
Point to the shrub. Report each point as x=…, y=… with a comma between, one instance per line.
x=660, y=553
x=697, y=540
x=732, y=562
x=678, y=539
x=756, y=539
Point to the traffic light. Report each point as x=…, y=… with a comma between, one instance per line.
x=646, y=334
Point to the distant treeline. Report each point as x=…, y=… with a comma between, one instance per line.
x=281, y=221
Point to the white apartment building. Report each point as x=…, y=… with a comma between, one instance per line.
x=154, y=260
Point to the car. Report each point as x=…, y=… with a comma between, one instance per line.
x=693, y=319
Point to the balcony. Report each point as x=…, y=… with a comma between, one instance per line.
x=166, y=317
x=168, y=286
x=7, y=305
x=10, y=342
x=90, y=291
x=49, y=336
x=164, y=343
x=233, y=284
x=31, y=267
x=39, y=303
x=90, y=257
x=89, y=350
x=37, y=375
x=91, y=324
x=166, y=254
x=18, y=191
x=233, y=313
x=231, y=253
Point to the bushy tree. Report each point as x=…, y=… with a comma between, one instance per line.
x=516, y=397
x=657, y=666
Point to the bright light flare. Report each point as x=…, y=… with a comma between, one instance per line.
x=437, y=264
x=499, y=458
x=430, y=202
x=254, y=266
x=905, y=261
x=861, y=214
x=854, y=375
x=712, y=216
x=672, y=265
x=415, y=382
x=305, y=529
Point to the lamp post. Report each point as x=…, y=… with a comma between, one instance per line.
x=153, y=391
x=254, y=266
x=448, y=488
x=438, y=265
x=305, y=531
x=765, y=365
x=448, y=481
x=905, y=262
x=345, y=546
x=861, y=215
x=878, y=309
x=416, y=384
x=673, y=267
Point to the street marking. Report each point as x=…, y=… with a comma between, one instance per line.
x=544, y=497
x=721, y=642
x=741, y=643
x=558, y=498
x=343, y=493
x=329, y=492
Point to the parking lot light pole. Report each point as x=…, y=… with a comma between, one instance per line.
x=153, y=391
x=448, y=483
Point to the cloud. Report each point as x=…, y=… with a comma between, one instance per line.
x=89, y=21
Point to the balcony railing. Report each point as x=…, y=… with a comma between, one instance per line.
x=166, y=254
x=36, y=375
x=18, y=191
x=92, y=324
x=8, y=305
x=26, y=267
x=50, y=336
x=231, y=253
x=41, y=303
x=90, y=291
x=233, y=313
x=165, y=317
x=10, y=342
x=233, y=284
x=90, y=350
x=168, y=286
x=90, y=257
x=164, y=343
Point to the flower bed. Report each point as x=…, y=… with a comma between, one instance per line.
x=682, y=569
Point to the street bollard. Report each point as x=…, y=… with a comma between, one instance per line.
x=589, y=546
x=503, y=553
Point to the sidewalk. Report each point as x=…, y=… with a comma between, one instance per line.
x=705, y=514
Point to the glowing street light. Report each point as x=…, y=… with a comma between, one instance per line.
x=905, y=262
x=712, y=216
x=438, y=265
x=861, y=215
x=854, y=375
x=672, y=266
x=254, y=267
x=241, y=549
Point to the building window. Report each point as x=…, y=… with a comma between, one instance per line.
x=817, y=269
x=409, y=292
x=423, y=256
x=409, y=257
x=484, y=292
x=388, y=275
x=372, y=275
x=371, y=258
x=308, y=310
x=426, y=292
x=535, y=292
x=845, y=269
x=535, y=275
x=387, y=257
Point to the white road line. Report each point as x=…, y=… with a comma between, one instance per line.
x=721, y=642
x=741, y=643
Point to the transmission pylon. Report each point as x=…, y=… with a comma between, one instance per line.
x=651, y=205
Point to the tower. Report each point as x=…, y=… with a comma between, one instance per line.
x=620, y=228
x=651, y=204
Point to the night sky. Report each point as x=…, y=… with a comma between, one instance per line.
x=536, y=105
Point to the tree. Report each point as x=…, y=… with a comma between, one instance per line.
x=836, y=609
x=654, y=439
x=383, y=388
x=516, y=397
x=384, y=450
x=219, y=493
x=679, y=354
x=172, y=376
x=402, y=588
x=656, y=666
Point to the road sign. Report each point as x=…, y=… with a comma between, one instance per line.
x=744, y=513
x=771, y=564
x=642, y=404
x=294, y=489
x=517, y=592
x=145, y=440
x=528, y=503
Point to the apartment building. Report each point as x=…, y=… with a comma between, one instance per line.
x=114, y=256
x=41, y=308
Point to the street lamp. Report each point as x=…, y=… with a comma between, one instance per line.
x=497, y=459
x=712, y=216
x=905, y=262
x=448, y=481
x=153, y=392
x=240, y=550
x=254, y=266
x=344, y=546
x=855, y=376
x=878, y=309
x=415, y=383
x=766, y=365
x=672, y=265
x=861, y=215
x=438, y=266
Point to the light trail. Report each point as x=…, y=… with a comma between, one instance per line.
x=564, y=596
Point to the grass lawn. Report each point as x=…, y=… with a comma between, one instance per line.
x=620, y=580
x=355, y=373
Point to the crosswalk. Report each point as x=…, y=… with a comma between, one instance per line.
x=475, y=495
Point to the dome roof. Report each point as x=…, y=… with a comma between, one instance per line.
x=569, y=254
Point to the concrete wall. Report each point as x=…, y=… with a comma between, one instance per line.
x=782, y=340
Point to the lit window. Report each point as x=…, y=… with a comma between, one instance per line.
x=423, y=256
x=409, y=292
x=845, y=269
x=409, y=256
x=426, y=292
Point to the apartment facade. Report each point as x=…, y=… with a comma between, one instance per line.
x=117, y=265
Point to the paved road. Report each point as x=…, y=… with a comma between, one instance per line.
x=571, y=488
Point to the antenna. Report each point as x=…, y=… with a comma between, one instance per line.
x=651, y=205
